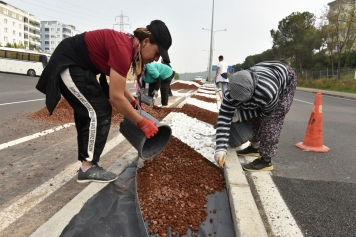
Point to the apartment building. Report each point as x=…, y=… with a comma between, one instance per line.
x=53, y=32
x=18, y=26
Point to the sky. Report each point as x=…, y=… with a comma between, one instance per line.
x=247, y=23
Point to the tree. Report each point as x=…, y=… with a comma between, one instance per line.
x=341, y=27
x=296, y=38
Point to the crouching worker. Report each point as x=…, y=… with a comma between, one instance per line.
x=71, y=72
x=159, y=77
x=263, y=96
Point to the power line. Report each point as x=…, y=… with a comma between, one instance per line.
x=71, y=10
x=57, y=11
x=79, y=6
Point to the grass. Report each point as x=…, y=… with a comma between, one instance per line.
x=343, y=85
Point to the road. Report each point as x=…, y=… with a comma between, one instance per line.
x=38, y=176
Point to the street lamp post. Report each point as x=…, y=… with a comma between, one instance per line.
x=212, y=45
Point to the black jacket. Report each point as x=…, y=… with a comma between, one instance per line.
x=71, y=51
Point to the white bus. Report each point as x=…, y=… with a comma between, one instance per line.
x=22, y=61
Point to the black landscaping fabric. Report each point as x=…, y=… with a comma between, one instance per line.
x=114, y=211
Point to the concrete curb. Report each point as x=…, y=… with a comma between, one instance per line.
x=246, y=217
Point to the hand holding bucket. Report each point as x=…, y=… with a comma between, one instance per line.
x=147, y=148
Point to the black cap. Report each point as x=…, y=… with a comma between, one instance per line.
x=161, y=33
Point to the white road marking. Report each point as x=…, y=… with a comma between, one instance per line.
x=304, y=101
x=279, y=217
x=19, y=102
x=11, y=213
x=39, y=134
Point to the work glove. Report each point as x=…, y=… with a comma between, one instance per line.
x=148, y=127
x=136, y=105
x=235, y=117
x=220, y=157
x=155, y=94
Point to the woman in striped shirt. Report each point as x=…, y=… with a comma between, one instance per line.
x=262, y=95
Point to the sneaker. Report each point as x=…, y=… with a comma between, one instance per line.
x=258, y=165
x=249, y=151
x=96, y=174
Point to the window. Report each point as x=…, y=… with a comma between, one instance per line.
x=5, y=11
x=2, y=54
x=58, y=29
x=46, y=29
x=14, y=32
x=10, y=54
x=5, y=39
x=20, y=18
x=25, y=56
x=5, y=30
x=20, y=26
x=14, y=40
x=34, y=57
x=52, y=42
x=13, y=23
x=52, y=29
x=46, y=36
x=58, y=36
x=45, y=49
x=14, y=14
x=5, y=21
x=20, y=42
x=46, y=42
x=20, y=34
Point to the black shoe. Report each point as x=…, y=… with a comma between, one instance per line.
x=170, y=94
x=96, y=174
x=249, y=151
x=258, y=165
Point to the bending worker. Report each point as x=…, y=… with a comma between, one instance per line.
x=262, y=95
x=159, y=77
x=71, y=72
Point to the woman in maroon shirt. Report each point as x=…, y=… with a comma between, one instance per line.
x=72, y=72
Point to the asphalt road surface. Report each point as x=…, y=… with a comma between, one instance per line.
x=318, y=188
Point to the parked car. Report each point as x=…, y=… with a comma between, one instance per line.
x=198, y=78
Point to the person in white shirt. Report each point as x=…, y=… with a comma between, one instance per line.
x=221, y=74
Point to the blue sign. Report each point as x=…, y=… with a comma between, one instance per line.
x=214, y=67
x=229, y=68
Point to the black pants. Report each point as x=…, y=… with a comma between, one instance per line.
x=92, y=111
x=165, y=86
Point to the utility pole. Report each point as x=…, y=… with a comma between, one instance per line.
x=121, y=23
x=211, y=43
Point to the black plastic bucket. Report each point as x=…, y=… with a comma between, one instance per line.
x=240, y=133
x=146, y=99
x=147, y=148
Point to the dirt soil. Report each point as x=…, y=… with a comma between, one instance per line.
x=172, y=189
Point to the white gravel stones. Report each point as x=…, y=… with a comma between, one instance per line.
x=202, y=104
x=195, y=133
x=206, y=95
x=206, y=91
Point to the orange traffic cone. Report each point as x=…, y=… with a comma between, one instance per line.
x=313, y=140
x=135, y=84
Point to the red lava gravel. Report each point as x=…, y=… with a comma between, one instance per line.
x=173, y=189
x=63, y=113
x=179, y=86
x=203, y=98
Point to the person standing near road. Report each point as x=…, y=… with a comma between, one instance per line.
x=71, y=72
x=263, y=96
x=221, y=74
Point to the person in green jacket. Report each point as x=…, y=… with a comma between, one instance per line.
x=159, y=77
